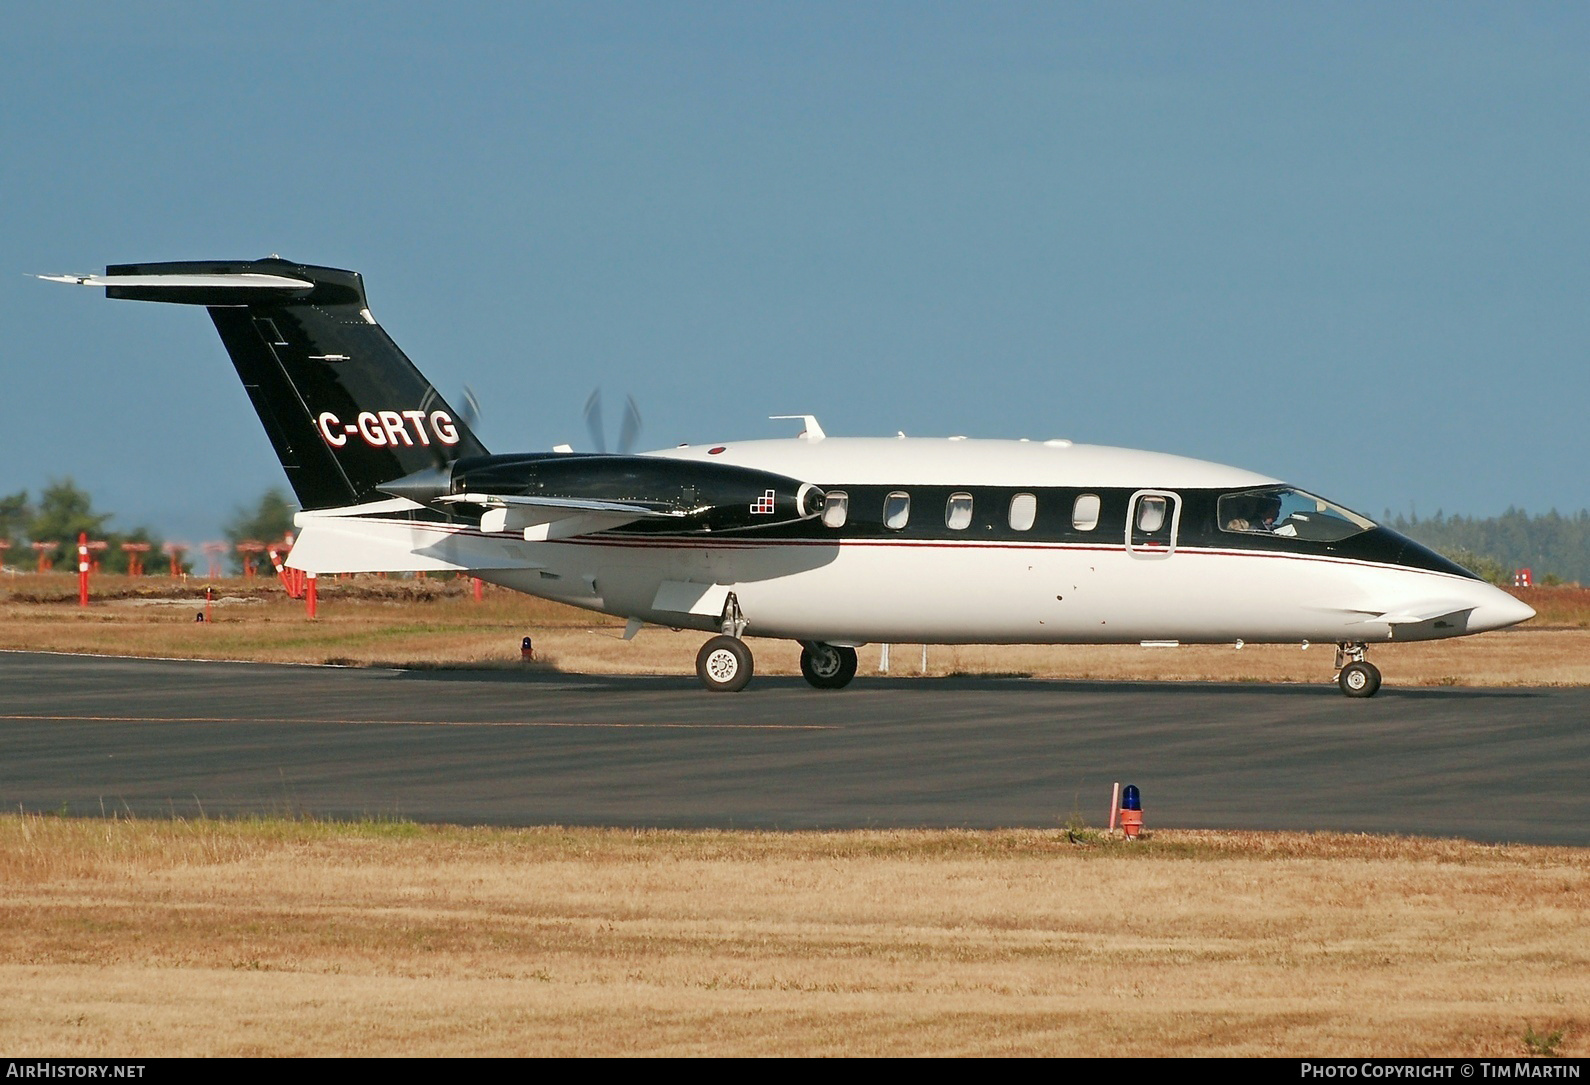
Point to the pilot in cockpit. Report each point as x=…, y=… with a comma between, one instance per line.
x=1271, y=508
x=1288, y=513
x=1259, y=514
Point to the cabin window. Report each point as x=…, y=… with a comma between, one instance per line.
x=958, y=512
x=1085, y=513
x=836, y=508
x=1151, y=510
x=1151, y=524
x=1023, y=512
x=896, y=510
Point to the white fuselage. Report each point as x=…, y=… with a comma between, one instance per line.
x=848, y=590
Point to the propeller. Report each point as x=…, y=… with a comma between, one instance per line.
x=466, y=413
x=628, y=430
x=469, y=408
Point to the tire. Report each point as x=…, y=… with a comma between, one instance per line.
x=828, y=666
x=1359, y=679
x=724, y=665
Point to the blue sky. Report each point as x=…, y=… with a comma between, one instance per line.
x=1346, y=245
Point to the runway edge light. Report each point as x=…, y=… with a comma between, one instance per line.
x=1131, y=811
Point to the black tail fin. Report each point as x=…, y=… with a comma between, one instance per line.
x=344, y=408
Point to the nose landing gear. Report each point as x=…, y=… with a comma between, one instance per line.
x=1357, y=676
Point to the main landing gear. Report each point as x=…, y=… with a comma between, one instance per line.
x=827, y=666
x=724, y=663
x=1356, y=675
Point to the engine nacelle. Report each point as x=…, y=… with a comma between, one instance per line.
x=681, y=496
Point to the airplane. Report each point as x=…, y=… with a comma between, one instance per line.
x=833, y=542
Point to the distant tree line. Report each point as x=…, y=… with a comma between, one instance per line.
x=64, y=509
x=1556, y=548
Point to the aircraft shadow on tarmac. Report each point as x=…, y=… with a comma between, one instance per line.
x=1003, y=684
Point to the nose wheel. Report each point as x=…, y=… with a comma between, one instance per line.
x=1356, y=675
x=827, y=666
x=1359, y=679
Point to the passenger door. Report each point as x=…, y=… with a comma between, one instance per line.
x=1151, y=525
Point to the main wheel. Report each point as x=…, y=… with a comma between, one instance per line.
x=1359, y=679
x=724, y=665
x=828, y=666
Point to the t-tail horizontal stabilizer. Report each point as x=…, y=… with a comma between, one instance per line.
x=191, y=289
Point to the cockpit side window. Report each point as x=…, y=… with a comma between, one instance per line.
x=1288, y=513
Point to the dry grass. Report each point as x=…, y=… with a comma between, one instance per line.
x=295, y=938
x=1565, y=606
x=435, y=622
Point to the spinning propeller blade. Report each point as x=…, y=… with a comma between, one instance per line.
x=469, y=407
x=629, y=432
x=593, y=421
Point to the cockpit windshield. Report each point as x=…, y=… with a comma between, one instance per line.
x=1281, y=510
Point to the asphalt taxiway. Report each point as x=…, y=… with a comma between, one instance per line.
x=159, y=738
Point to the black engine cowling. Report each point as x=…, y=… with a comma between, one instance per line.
x=697, y=497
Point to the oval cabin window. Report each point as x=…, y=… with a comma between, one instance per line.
x=836, y=508
x=1085, y=513
x=958, y=512
x=896, y=510
x=1023, y=512
x=1151, y=511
